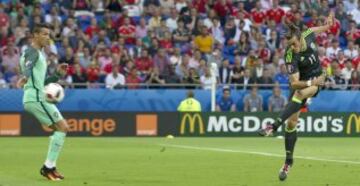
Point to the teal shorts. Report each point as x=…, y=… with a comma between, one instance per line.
x=47, y=113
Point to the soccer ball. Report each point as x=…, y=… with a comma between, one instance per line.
x=54, y=93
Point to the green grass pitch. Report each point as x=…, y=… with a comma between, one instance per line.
x=182, y=162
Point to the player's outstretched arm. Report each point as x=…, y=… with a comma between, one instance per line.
x=60, y=72
x=329, y=22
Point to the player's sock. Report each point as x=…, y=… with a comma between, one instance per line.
x=290, y=140
x=294, y=106
x=55, y=145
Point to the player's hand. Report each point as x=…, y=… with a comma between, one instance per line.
x=62, y=69
x=319, y=81
x=21, y=82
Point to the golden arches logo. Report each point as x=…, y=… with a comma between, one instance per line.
x=192, y=120
x=353, y=118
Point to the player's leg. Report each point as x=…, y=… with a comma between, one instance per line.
x=56, y=140
x=290, y=141
x=55, y=145
x=294, y=105
x=48, y=115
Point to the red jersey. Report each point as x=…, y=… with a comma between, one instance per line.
x=132, y=80
x=264, y=54
x=355, y=62
x=91, y=30
x=335, y=28
x=165, y=44
x=258, y=16
x=128, y=30
x=200, y=5
x=144, y=64
x=290, y=16
x=325, y=61
x=275, y=14
x=93, y=73
x=355, y=35
x=222, y=10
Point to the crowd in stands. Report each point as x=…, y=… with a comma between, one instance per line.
x=166, y=42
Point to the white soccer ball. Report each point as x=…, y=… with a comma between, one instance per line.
x=54, y=93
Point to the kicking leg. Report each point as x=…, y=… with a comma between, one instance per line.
x=295, y=104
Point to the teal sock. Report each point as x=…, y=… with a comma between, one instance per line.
x=55, y=145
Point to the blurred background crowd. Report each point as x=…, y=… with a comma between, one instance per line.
x=163, y=43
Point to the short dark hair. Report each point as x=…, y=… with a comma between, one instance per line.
x=38, y=27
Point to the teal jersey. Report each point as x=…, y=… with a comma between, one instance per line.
x=34, y=66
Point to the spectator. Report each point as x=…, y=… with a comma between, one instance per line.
x=217, y=32
x=352, y=50
x=204, y=42
x=190, y=104
x=141, y=29
x=150, y=5
x=93, y=72
x=246, y=80
x=21, y=29
x=92, y=29
x=171, y=22
x=282, y=77
x=172, y=78
x=10, y=56
x=191, y=78
x=53, y=16
x=115, y=79
x=155, y=78
x=275, y=13
x=194, y=61
x=356, y=14
x=225, y=72
x=347, y=70
x=257, y=15
x=167, y=6
x=127, y=31
x=354, y=81
x=257, y=70
x=132, y=79
x=79, y=78
x=237, y=71
x=144, y=64
x=253, y=102
x=276, y=102
x=114, y=5
x=101, y=37
x=207, y=80
x=182, y=69
x=181, y=36
x=353, y=33
x=339, y=82
x=225, y=103
x=155, y=19
x=265, y=80
x=222, y=9
x=162, y=62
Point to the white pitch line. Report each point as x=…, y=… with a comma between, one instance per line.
x=258, y=153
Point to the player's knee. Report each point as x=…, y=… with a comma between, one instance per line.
x=291, y=124
x=62, y=126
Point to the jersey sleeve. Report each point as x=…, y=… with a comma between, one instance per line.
x=31, y=56
x=291, y=62
x=309, y=37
